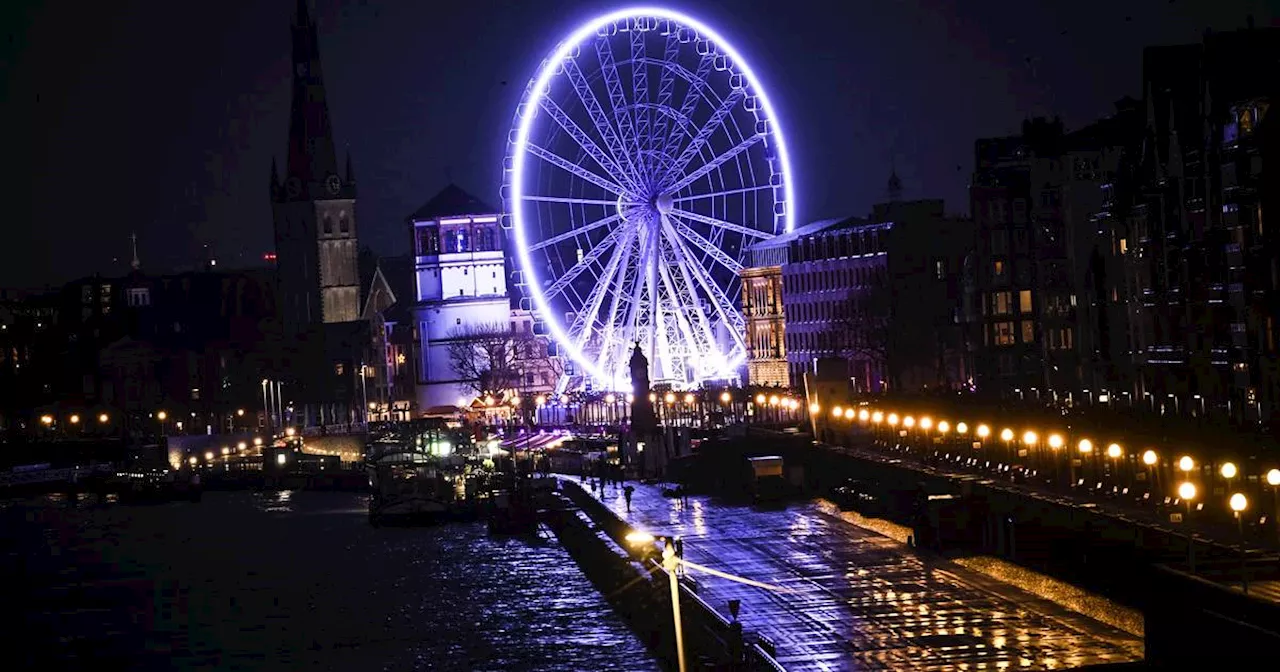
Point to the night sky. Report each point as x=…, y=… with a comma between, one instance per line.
x=163, y=117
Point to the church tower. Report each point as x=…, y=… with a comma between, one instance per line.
x=314, y=207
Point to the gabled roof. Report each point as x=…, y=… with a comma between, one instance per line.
x=452, y=201
x=395, y=274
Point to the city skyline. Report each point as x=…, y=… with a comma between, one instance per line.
x=393, y=126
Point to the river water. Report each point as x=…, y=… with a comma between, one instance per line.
x=291, y=581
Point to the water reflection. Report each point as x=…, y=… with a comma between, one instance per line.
x=291, y=581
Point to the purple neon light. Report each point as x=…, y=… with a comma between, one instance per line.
x=540, y=86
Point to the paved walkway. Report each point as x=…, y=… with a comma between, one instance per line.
x=855, y=600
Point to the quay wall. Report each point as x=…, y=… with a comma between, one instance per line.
x=638, y=586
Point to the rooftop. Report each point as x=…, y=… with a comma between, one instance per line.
x=452, y=201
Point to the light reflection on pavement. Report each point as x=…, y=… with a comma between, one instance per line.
x=856, y=600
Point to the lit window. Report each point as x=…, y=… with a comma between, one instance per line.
x=1002, y=333
x=1001, y=303
x=195, y=394
x=1024, y=301
x=1028, y=332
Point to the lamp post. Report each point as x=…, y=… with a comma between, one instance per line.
x=1030, y=439
x=1273, y=480
x=1187, y=491
x=1228, y=471
x=669, y=562
x=1149, y=458
x=1085, y=446
x=1238, y=504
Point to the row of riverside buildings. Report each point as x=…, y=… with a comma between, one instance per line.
x=324, y=334
x=1128, y=261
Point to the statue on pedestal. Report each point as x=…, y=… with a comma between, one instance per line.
x=643, y=420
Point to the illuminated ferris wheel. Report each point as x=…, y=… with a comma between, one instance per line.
x=645, y=158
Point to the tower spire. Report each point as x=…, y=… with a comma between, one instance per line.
x=312, y=158
x=133, y=239
x=895, y=184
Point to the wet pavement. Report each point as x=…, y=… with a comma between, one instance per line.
x=852, y=599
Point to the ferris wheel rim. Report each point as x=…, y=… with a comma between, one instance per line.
x=538, y=90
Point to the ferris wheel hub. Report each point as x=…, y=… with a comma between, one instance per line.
x=662, y=203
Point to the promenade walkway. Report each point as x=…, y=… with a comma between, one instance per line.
x=847, y=598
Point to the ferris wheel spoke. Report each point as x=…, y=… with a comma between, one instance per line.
x=715, y=163
x=574, y=131
x=720, y=223
x=611, y=320
x=713, y=124
x=600, y=120
x=590, y=258
x=685, y=298
x=707, y=246
x=573, y=168
x=640, y=94
x=574, y=233
x=693, y=94
x=618, y=99
x=728, y=315
x=575, y=201
x=717, y=194
x=666, y=89
x=579, y=331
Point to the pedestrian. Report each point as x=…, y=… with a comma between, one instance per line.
x=626, y=493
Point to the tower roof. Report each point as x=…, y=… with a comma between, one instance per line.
x=312, y=156
x=452, y=201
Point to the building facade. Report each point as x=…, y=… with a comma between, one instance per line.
x=764, y=315
x=460, y=276
x=883, y=294
x=1192, y=236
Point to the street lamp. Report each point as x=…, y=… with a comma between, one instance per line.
x=863, y=415
x=1186, y=464
x=909, y=422
x=1085, y=446
x=926, y=422
x=962, y=428
x=1238, y=504
x=1055, y=442
x=103, y=418
x=814, y=408
x=725, y=397
x=669, y=562
x=162, y=416
x=1228, y=471
x=46, y=420
x=893, y=419
x=1114, y=451
x=944, y=426
x=878, y=417
x=1273, y=480
x=75, y=419
x=1187, y=491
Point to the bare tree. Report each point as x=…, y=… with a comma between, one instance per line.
x=495, y=358
x=859, y=328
